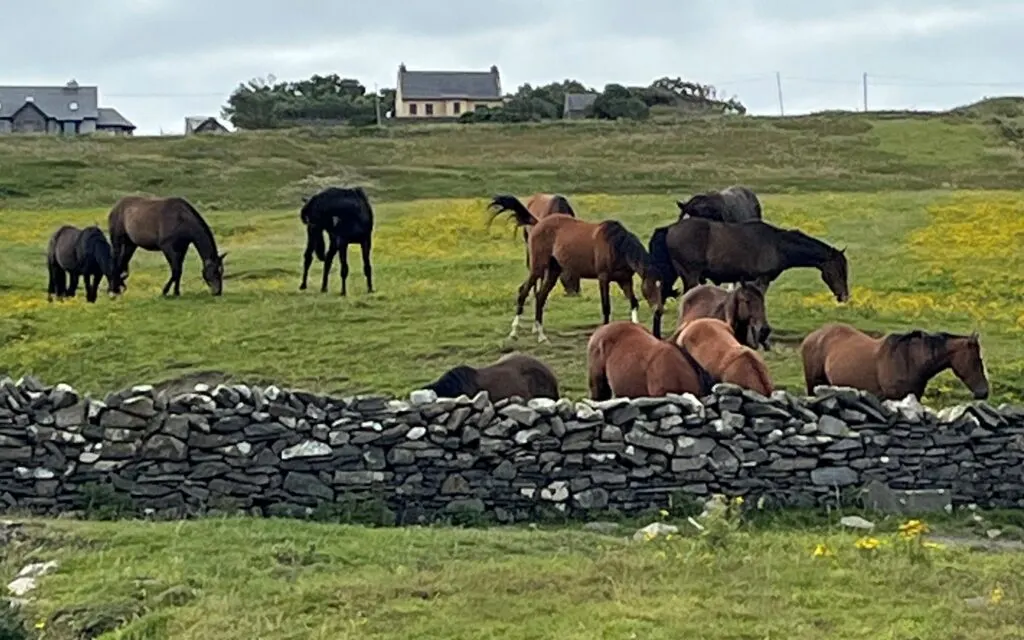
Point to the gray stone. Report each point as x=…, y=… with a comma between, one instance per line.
x=595, y=498
x=162, y=447
x=307, y=484
x=455, y=484
x=687, y=446
x=422, y=396
x=523, y=415
x=646, y=440
x=832, y=426
x=307, y=449
x=834, y=476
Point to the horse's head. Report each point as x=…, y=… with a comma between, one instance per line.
x=213, y=273
x=966, y=362
x=747, y=312
x=834, y=273
x=651, y=289
x=699, y=206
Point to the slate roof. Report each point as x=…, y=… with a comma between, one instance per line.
x=110, y=117
x=446, y=85
x=579, y=101
x=55, y=102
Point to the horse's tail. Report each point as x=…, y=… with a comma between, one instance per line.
x=628, y=247
x=315, y=240
x=505, y=202
x=657, y=248
x=705, y=379
x=560, y=204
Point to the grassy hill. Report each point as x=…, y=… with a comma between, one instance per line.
x=968, y=148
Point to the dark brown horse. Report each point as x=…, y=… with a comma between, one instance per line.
x=696, y=250
x=712, y=344
x=624, y=359
x=515, y=374
x=346, y=216
x=539, y=206
x=168, y=225
x=605, y=251
x=732, y=204
x=741, y=308
x=892, y=366
x=80, y=253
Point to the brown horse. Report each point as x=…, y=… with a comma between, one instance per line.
x=625, y=359
x=741, y=308
x=696, y=249
x=605, y=251
x=713, y=345
x=515, y=374
x=539, y=206
x=80, y=253
x=892, y=366
x=169, y=225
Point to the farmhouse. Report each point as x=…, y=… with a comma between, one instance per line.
x=203, y=124
x=67, y=110
x=575, y=105
x=445, y=94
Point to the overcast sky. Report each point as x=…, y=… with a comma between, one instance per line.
x=159, y=60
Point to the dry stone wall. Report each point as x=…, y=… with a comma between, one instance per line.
x=275, y=452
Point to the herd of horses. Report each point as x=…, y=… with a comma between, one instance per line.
x=719, y=236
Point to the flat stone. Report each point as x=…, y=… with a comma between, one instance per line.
x=307, y=449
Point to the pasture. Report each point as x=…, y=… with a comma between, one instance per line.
x=446, y=292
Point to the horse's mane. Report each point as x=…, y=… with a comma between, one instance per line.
x=202, y=221
x=454, y=382
x=563, y=205
x=628, y=247
x=706, y=380
x=657, y=248
x=933, y=341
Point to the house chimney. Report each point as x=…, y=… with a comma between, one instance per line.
x=401, y=67
x=494, y=68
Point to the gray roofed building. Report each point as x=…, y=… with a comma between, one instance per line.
x=445, y=93
x=69, y=110
x=203, y=124
x=576, y=104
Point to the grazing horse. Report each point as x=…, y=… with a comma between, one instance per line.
x=625, y=359
x=696, y=249
x=712, y=345
x=168, y=225
x=539, y=206
x=81, y=253
x=605, y=251
x=346, y=216
x=732, y=204
x=741, y=308
x=892, y=366
x=515, y=374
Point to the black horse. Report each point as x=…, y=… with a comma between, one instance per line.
x=732, y=204
x=346, y=216
x=80, y=253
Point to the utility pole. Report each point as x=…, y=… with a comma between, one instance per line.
x=376, y=102
x=778, y=84
x=865, y=82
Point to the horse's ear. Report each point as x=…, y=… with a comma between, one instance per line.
x=305, y=199
x=973, y=338
x=680, y=204
x=221, y=257
x=843, y=251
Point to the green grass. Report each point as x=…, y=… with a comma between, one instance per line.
x=834, y=152
x=246, y=578
x=446, y=291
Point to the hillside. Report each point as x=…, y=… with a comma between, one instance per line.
x=968, y=148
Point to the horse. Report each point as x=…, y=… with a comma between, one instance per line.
x=346, y=216
x=732, y=204
x=514, y=374
x=168, y=225
x=81, y=253
x=894, y=365
x=696, y=249
x=625, y=359
x=539, y=206
x=605, y=251
x=712, y=344
x=741, y=308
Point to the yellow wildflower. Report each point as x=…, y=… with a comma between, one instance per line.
x=867, y=544
x=738, y=501
x=663, y=513
x=40, y=625
x=649, y=535
x=912, y=529
x=996, y=596
x=821, y=550
x=933, y=545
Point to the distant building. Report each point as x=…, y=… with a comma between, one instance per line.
x=445, y=94
x=576, y=104
x=67, y=110
x=203, y=124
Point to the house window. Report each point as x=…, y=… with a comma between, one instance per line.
x=430, y=109
x=457, y=108
x=73, y=106
x=412, y=109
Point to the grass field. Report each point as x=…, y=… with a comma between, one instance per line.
x=931, y=212
x=446, y=290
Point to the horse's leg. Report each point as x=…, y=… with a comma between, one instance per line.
x=92, y=284
x=365, y=246
x=343, y=259
x=550, y=280
x=328, y=261
x=570, y=283
x=524, y=292
x=603, y=286
x=73, y=286
x=599, y=387
x=125, y=256
x=634, y=304
x=307, y=256
x=175, y=258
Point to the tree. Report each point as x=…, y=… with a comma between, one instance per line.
x=267, y=104
x=617, y=101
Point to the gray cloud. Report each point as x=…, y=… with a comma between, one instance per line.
x=159, y=60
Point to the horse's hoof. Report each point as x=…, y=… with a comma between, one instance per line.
x=542, y=339
x=302, y=287
x=513, y=336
